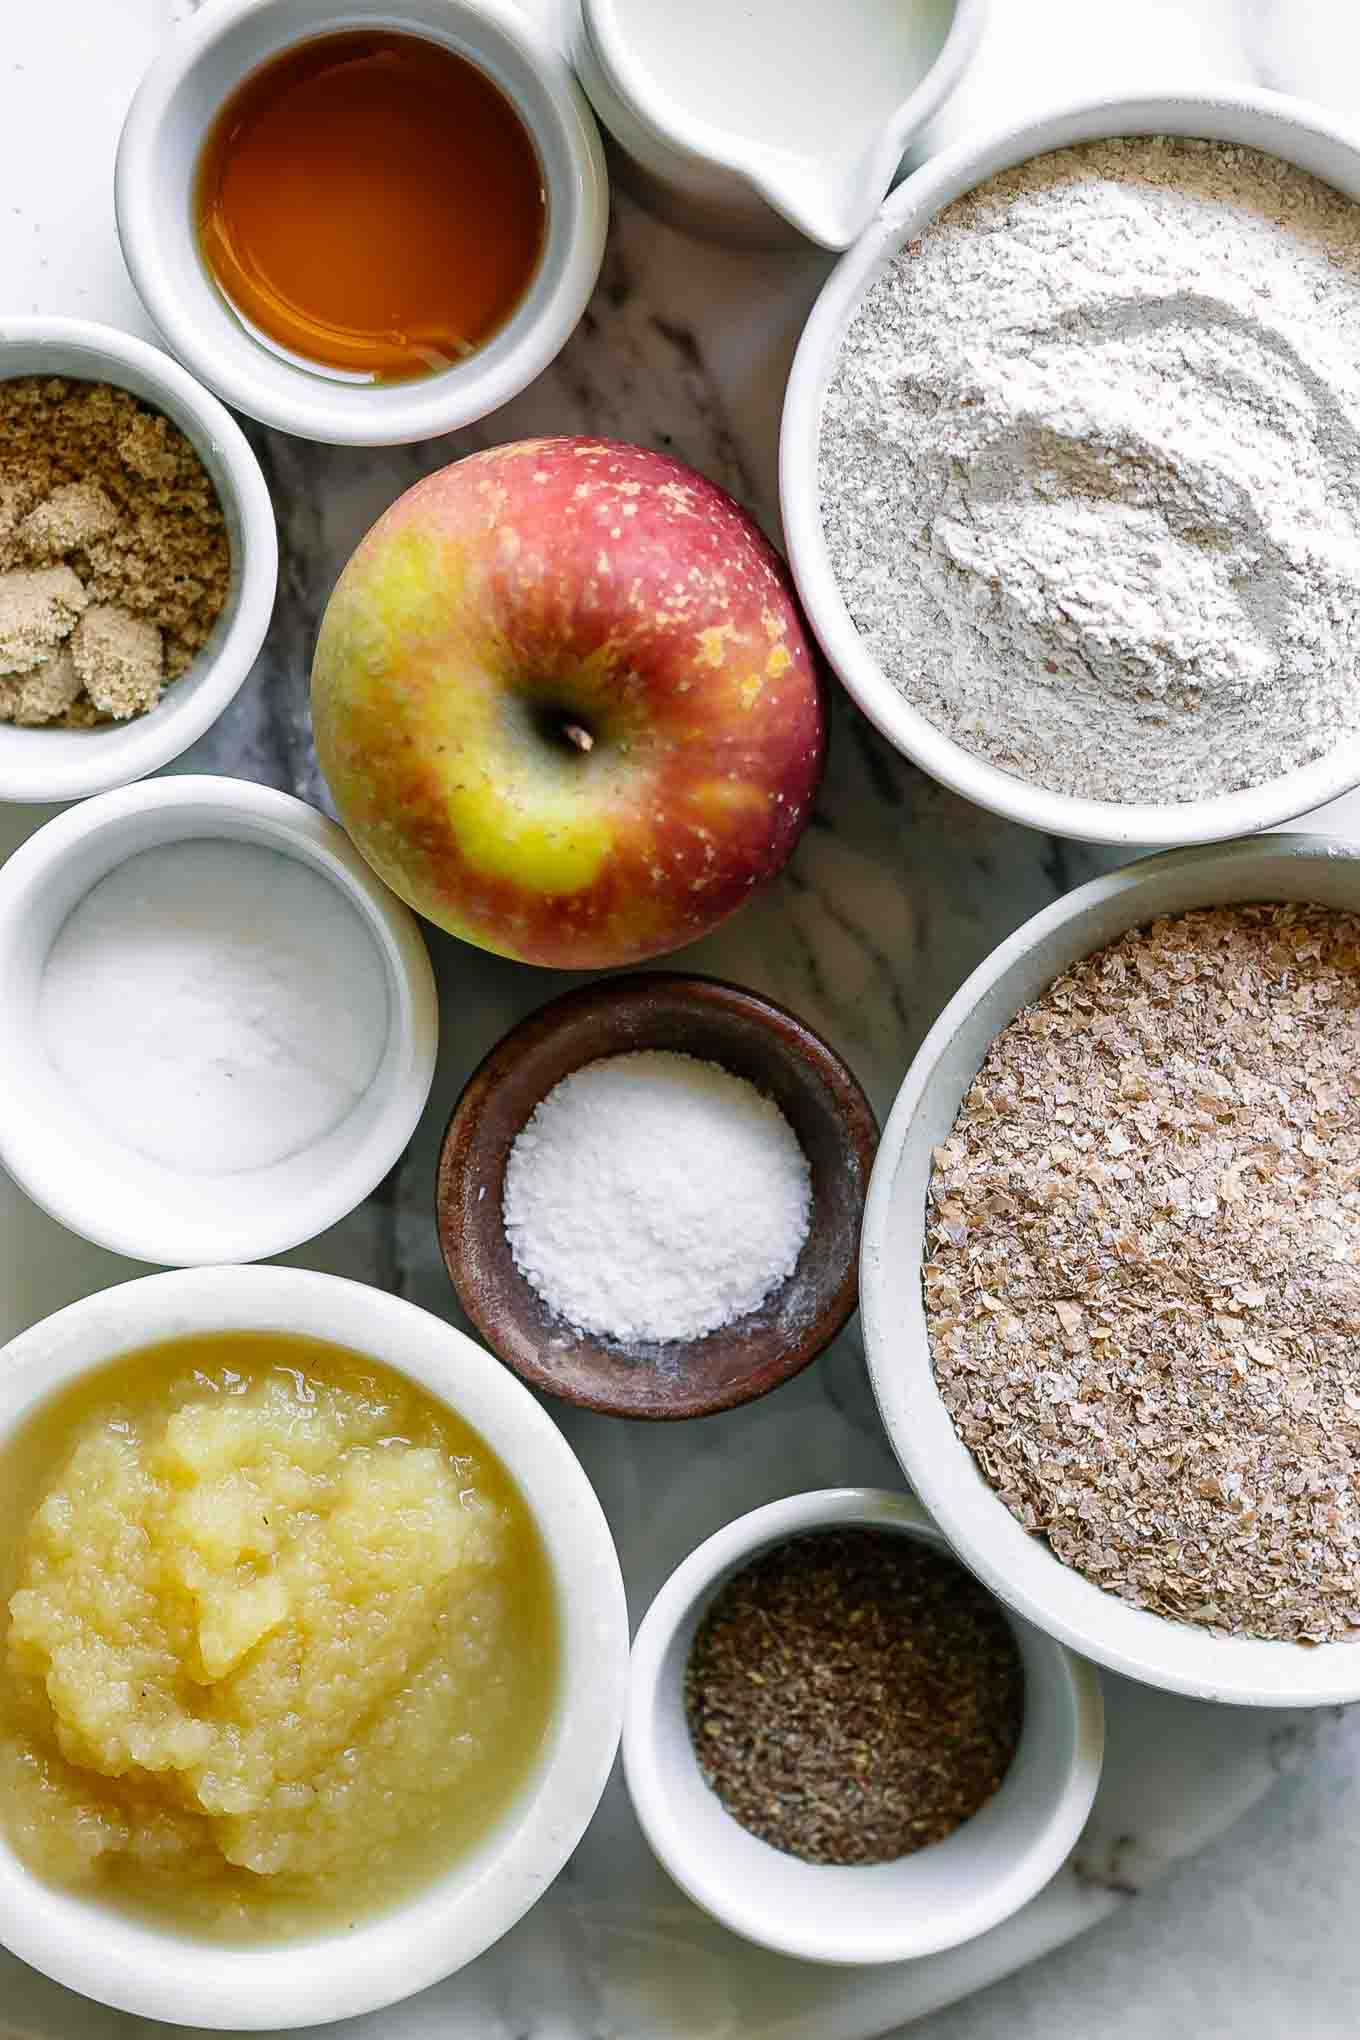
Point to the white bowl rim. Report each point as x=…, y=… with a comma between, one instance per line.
x=43, y=1173
x=1150, y=1649
x=342, y=1974
x=315, y=407
x=1206, y=113
x=702, y=1881
x=179, y=720
x=722, y=148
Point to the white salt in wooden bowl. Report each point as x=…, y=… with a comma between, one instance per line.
x=1017, y=1566
x=1289, y=128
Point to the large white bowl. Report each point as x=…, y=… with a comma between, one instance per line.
x=166, y=1974
x=202, y=64
x=51, y=765
x=881, y=1912
x=1289, y=128
x=988, y=1538
x=121, y=1200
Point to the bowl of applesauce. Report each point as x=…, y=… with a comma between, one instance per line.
x=313, y=1647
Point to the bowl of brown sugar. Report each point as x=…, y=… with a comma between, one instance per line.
x=1109, y=1271
x=842, y=1746
x=138, y=559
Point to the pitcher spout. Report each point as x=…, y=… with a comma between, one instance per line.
x=829, y=203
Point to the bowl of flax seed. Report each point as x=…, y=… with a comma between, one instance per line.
x=1110, y=1272
x=842, y=1746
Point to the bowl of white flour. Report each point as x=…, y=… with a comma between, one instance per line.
x=1069, y=473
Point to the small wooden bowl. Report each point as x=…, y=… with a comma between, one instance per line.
x=696, y=1016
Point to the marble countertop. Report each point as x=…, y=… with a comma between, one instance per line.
x=896, y=892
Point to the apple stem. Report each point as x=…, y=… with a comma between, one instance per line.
x=581, y=738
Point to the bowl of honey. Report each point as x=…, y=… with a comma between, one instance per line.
x=362, y=230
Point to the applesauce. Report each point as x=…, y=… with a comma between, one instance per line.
x=278, y=1636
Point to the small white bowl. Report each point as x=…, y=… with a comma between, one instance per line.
x=51, y=765
x=168, y=121
x=78, y=1173
x=1289, y=128
x=165, y=1974
x=1021, y=1568
x=883, y=1912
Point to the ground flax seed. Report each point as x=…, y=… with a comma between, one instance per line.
x=114, y=561
x=853, y=1695
x=1143, y=1269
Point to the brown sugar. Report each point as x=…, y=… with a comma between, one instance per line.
x=72, y=516
x=111, y=537
x=44, y=695
x=118, y=658
x=38, y=609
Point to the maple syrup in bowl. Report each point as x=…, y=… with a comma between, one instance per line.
x=362, y=231
x=372, y=204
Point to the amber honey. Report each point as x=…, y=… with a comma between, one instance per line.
x=371, y=202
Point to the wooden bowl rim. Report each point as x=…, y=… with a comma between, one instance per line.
x=611, y=999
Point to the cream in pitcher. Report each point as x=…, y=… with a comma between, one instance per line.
x=754, y=118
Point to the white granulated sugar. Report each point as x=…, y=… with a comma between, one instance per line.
x=214, y=1006
x=655, y=1196
x=1089, y=470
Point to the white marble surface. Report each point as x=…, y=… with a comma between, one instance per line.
x=896, y=891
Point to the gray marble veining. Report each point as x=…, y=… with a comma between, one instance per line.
x=896, y=891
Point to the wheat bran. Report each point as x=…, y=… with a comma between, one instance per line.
x=1142, y=1280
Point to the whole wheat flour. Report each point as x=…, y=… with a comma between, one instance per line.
x=1089, y=470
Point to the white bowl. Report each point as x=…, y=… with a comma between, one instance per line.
x=1019, y=1567
x=157, y=1974
x=883, y=1912
x=84, y=1178
x=174, y=107
x=52, y=765
x=1289, y=128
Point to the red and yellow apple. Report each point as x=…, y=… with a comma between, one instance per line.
x=566, y=703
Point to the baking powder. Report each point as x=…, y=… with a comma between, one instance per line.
x=214, y=1006
x=1089, y=470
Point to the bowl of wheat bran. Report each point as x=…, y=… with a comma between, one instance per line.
x=137, y=535
x=1108, y=1281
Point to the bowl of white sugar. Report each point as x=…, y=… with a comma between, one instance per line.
x=1068, y=475
x=649, y=1195
x=218, y=1028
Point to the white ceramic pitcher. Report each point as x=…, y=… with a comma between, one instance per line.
x=751, y=120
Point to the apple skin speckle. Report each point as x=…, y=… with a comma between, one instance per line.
x=558, y=582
